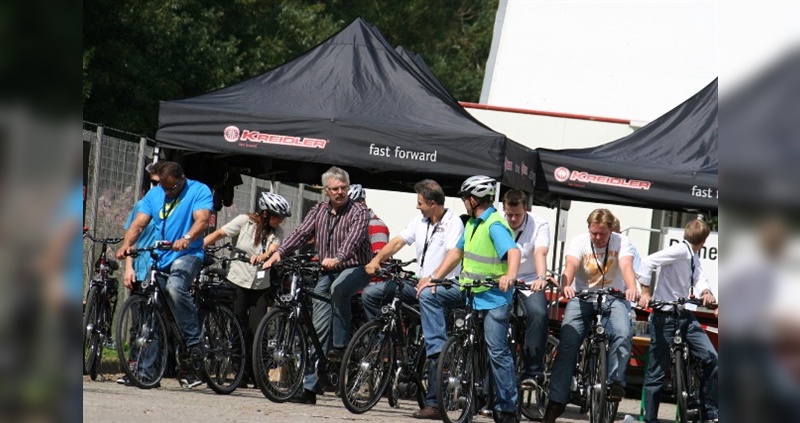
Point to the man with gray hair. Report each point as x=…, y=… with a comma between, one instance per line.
x=339, y=227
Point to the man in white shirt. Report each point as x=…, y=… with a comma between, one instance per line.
x=594, y=260
x=435, y=232
x=642, y=275
x=532, y=235
x=681, y=275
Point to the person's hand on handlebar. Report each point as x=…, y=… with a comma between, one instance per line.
x=276, y=257
x=644, y=300
x=708, y=298
x=506, y=281
x=631, y=294
x=372, y=267
x=123, y=252
x=540, y=283
x=569, y=291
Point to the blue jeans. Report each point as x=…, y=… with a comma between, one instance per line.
x=662, y=330
x=432, y=309
x=375, y=296
x=577, y=318
x=536, y=330
x=495, y=329
x=182, y=272
x=340, y=287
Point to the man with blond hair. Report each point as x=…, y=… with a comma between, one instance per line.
x=594, y=260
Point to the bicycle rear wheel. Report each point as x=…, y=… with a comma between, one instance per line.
x=141, y=339
x=598, y=365
x=224, y=361
x=455, y=392
x=92, y=348
x=533, y=401
x=279, y=355
x=366, y=367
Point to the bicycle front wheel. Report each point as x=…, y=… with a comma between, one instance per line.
x=141, y=339
x=367, y=365
x=224, y=361
x=598, y=365
x=681, y=375
x=92, y=350
x=279, y=355
x=455, y=390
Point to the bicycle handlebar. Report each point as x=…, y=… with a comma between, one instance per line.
x=681, y=301
x=238, y=254
x=159, y=245
x=110, y=241
x=394, y=268
x=587, y=293
x=307, y=262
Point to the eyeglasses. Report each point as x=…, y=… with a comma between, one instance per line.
x=338, y=189
x=172, y=187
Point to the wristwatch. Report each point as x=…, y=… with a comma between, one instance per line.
x=542, y=277
x=187, y=237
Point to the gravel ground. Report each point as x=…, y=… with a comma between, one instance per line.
x=107, y=401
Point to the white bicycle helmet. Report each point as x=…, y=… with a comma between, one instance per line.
x=357, y=192
x=274, y=204
x=478, y=186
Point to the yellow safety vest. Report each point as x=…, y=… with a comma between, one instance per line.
x=480, y=257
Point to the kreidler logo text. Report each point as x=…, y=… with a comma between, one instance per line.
x=232, y=134
x=563, y=174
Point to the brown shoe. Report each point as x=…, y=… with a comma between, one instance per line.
x=427, y=413
x=553, y=410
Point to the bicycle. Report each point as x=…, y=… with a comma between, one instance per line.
x=685, y=369
x=463, y=367
x=386, y=354
x=101, y=300
x=590, y=382
x=224, y=343
x=147, y=332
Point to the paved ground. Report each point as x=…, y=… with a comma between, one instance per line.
x=106, y=401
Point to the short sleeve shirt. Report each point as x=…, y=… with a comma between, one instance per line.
x=595, y=270
x=534, y=233
x=243, y=230
x=173, y=217
x=439, y=238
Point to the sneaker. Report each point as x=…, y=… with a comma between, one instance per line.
x=125, y=381
x=427, y=413
x=615, y=392
x=190, y=380
x=531, y=382
x=304, y=397
x=711, y=417
x=335, y=354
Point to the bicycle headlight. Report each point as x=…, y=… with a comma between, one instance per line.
x=286, y=298
x=599, y=330
x=386, y=309
x=459, y=322
x=677, y=340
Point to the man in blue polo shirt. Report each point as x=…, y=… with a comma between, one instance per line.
x=180, y=211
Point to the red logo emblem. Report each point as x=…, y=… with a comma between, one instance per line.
x=231, y=134
x=561, y=174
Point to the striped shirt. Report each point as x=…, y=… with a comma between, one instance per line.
x=341, y=234
x=378, y=232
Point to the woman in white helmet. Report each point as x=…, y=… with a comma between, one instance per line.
x=259, y=234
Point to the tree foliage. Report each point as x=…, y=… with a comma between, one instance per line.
x=138, y=52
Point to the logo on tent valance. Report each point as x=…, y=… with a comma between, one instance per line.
x=248, y=137
x=580, y=178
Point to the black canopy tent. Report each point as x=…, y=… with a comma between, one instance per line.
x=352, y=101
x=669, y=164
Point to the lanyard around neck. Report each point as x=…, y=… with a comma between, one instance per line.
x=428, y=242
x=166, y=212
x=524, y=226
x=605, y=261
x=691, y=265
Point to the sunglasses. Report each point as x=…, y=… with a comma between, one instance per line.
x=154, y=182
x=172, y=187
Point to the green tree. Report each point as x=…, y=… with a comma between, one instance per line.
x=138, y=52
